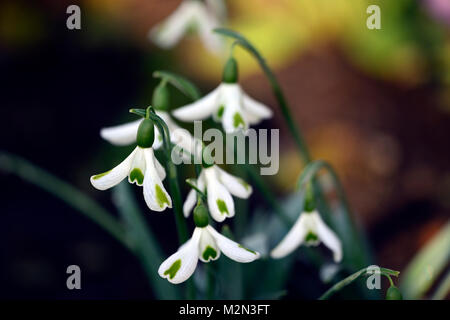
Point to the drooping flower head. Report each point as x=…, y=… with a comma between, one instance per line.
x=142, y=168
x=191, y=15
x=205, y=244
x=125, y=134
x=227, y=104
x=219, y=187
x=309, y=229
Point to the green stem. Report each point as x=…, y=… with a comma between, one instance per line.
x=174, y=186
x=267, y=194
x=345, y=282
x=276, y=88
x=66, y=192
x=175, y=193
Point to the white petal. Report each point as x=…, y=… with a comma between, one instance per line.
x=155, y=194
x=159, y=169
x=206, y=23
x=236, y=186
x=231, y=249
x=328, y=237
x=208, y=249
x=256, y=110
x=220, y=202
x=199, y=110
x=113, y=177
x=121, y=135
x=189, y=203
x=157, y=143
x=292, y=240
x=191, y=199
x=181, y=265
x=233, y=117
x=137, y=169
x=171, y=30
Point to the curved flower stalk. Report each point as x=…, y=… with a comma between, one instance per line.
x=141, y=167
x=309, y=229
x=219, y=186
x=228, y=104
x=125, y=134
x=190, y=15
x=205, y=244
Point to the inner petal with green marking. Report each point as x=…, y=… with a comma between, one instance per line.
x=161, y=197
x=311, y=238
x=209, y=252
x=137, y=176
x=172, y=271
x=222, y=206
x=238, y=121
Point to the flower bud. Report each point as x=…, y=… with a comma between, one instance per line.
x=310, y=203
x=145, y=134
x=230, y=71
x=160, y=99
x=201, y=218
x=393, y=293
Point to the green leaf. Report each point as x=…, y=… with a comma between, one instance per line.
x=351, y=278
x=78, y=200
x=426, y=266
x=181, y=83
x=145, y=243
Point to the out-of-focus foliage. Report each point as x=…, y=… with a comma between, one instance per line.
x=426, y=266
x=409, y=48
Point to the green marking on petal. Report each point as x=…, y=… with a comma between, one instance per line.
x=98, y=176
x=311, y=237
x=220, y=111
x=137, y=175
x=222, y=206
x=159, y=137
x=244, y=184
x=238, y=120
x=172, y=271
x=209, y=252
x=242, y=247
x=161, y=197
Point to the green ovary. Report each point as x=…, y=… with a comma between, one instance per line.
x=222, y=206
x=172, y=271
x=161, y=197
x=137, y=175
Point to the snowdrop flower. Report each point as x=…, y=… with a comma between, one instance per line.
x=219, y=186
x=142, y=168
x=190, y=15
x=205, y=244
x=125, y=134
x=311, y=230
x=228, y=104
